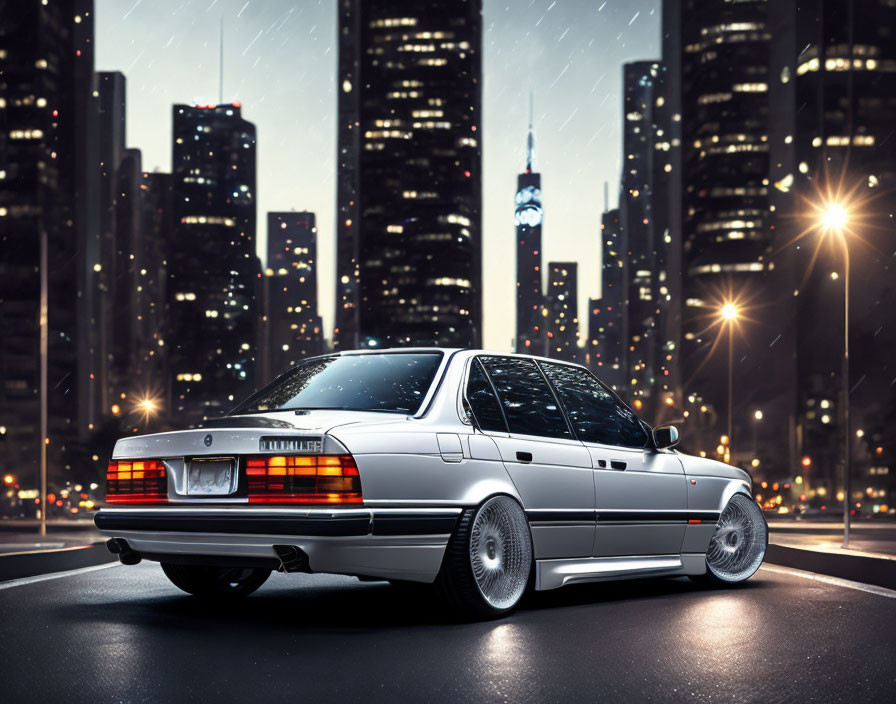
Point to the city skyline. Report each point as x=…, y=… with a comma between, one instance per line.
x=519, y=56
x=701, y=241
x=429, y=308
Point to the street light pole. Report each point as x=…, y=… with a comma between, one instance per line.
x=834, y=219
x=44, y=345
x=729, y=313
x=845, y=403
x=730, y=386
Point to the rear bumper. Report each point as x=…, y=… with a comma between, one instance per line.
x=388, y=543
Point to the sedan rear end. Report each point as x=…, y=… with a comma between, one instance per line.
x=271, y=487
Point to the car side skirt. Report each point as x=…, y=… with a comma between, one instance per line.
x=553, y=574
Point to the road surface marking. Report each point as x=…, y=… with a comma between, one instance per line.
x=54, y=575
x=836, y=581
x=44, y=551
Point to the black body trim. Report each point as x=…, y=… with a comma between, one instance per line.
x=272, y=524
x=216, y=523
x=360, y=524
x=643, y=517
x=711, y=516
x=413, y=524
x=549, y=516
x=586, y=516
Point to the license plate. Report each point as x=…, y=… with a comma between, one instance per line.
x=211, y=477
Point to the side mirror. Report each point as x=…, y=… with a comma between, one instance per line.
x=665, y=436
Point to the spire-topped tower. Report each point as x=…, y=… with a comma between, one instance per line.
x=528, y=214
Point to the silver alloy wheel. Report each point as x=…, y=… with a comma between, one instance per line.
x=737, y=548
x=500, y=552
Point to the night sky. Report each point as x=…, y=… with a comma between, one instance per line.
x=280, y=63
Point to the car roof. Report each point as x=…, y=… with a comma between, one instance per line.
x=451, y=350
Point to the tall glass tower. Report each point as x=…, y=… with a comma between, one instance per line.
x=213, y=271
x=409, y=173
x=293, y=330
x=528, y=216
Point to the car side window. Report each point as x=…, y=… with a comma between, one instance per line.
x=594, y=412
x=529, y=405
x=483, y=401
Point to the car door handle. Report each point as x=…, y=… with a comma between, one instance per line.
x=524, y=456
x=616, y=464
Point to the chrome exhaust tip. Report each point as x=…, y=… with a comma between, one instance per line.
x=120, y=547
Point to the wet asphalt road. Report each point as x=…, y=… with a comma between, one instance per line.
x=125, y=634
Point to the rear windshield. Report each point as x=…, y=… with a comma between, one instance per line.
x=390, y=382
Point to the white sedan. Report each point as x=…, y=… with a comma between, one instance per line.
x=482, y=473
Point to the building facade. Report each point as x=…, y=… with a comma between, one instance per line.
x=562, y=305
x=722, y=64
x=46, y=67
x=644, y=263
x=213, y=271
x=111, y=88
x=409, y=182
x=608, y=321
x=150, y=278
x=844, y=77
x=348, y=154
x=291, y=310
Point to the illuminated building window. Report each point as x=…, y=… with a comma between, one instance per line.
x=750, y=87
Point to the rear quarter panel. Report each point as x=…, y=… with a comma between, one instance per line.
x=404, y=467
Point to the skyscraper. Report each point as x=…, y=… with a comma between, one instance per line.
x=213, y=271
x=528, y=216
x=293, y=324
x=46, y=65
x=125, y=308
x=348, y=157
x=644, y=260
x=562, y=304
x=728, y=234
x=409, y=182
x=111, y=143
x=843, y=72
x=608, y=322
x=668, y=198
x=152, y=374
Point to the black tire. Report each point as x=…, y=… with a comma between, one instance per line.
x=457, y=583
x=216, y=582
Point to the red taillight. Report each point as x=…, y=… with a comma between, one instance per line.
x=303, y=479
x=136, y=482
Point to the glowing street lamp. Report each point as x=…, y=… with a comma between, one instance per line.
x=147, y=405
x=728, y=311
x=834, y=218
